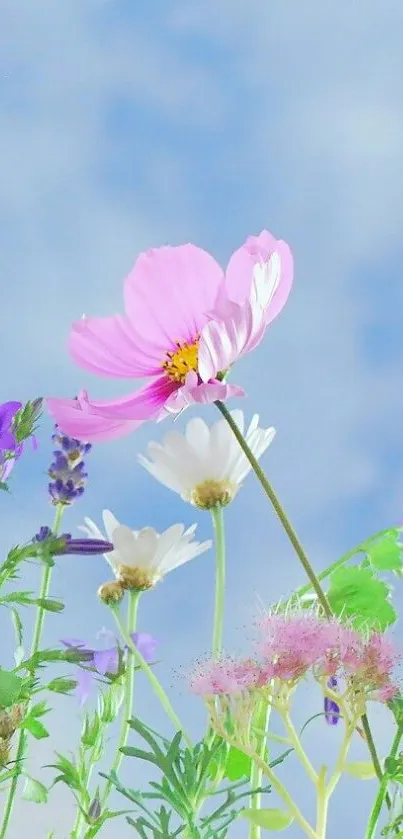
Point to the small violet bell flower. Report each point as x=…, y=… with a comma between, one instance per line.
x=10, y=451
x=332, y=710
x=185, y=325
x=105, y=661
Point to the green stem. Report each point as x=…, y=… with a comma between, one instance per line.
x=261, y=722
x=382, y=791
x=218, y=524
x=278, y=786
x=134, y=598
x=38, y=628
x=314, y=581
x=278, y=509
x=155, y=684
x=322, y=802
x=361, y=548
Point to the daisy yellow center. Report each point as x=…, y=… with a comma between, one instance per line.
x=181, y=361
x=212, y=493
x=139, y=579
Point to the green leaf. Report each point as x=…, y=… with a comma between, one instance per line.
x=238, y=765
x=49, y=605
x=4, y=487
x=386, y=554
x=10, y=688
x=355, y=593
x=62, y=685
x=268, y=818
x=35, y=728
x=363, y=769
x=34, y=791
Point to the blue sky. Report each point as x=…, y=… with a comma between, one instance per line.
x=127, y=125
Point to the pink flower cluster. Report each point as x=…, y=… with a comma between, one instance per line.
x=185, y=323
x=294, y=644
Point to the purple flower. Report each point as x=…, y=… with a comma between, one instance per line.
x=9, y=449
x=105, y=661
x=8, y=411
x=67, y=472
x=64, y=545
x=332, y=710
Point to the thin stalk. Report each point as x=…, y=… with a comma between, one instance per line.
x=268, y=489
x=314, y=581
x=261, y=720
x=134, y=598
x=218, y=524
x=38, y=628
x=382, y=791
x=322, y=802
x=154, y=682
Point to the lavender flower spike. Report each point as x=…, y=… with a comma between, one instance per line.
x=64, y=545
x=67, y=472
x=332, y=710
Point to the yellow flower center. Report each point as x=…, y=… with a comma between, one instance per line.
x=138, y=579
x=181, y=361
x=212, y=494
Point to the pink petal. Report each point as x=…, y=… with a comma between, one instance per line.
x=239, y=274
x=146, y=403
x=196, y=392
x=168, y=293
x=224, y=340
x=108, y=346
x=85, y=425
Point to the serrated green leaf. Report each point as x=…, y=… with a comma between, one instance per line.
x=268, y=818
x=355, y=593
x=10, y=688
x=386, y=554
x=34, y=791
x=363, y=769
x=36, y=728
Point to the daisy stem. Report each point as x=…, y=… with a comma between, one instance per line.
x=314, y=581
x=218, y=524
x=278, y=509
x=134, y=598
x=154, y=682
x=38, y=628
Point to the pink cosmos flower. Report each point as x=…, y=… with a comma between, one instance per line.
x=186, y=323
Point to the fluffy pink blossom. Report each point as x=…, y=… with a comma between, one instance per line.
x=225, y=677
x=186, y=323
x=294, y=643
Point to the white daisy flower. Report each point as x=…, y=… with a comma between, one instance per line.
x=206, y=466
x=142, y=557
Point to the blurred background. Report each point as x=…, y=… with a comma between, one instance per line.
x=126, y=125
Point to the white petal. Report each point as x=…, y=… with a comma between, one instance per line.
x=91, y=529
x=110, y=523
x=124, y=542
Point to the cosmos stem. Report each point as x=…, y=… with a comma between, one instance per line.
x=36, y=640
x=154, y=682
x=218, y=524
x=268, y=489
x=313, y=579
